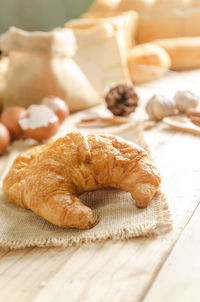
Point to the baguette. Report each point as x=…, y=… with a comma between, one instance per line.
x=184, y=52
x=163, y=19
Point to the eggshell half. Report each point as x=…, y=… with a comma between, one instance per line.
x=59, y=106
x=40, y=122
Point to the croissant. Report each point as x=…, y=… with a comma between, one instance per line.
x=48, y=179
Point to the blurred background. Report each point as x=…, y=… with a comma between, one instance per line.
x=39, y=14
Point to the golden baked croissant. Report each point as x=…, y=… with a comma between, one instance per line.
x=48, y=178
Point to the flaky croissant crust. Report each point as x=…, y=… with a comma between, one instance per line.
x=49, y=178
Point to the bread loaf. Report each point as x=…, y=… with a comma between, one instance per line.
x=164, y=19
x=104, y=6
x=184, y=52
x=147, y=62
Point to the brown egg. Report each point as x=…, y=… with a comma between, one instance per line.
x=4, y=138
x=40, y=122
x=10, y=118
x=59, y=106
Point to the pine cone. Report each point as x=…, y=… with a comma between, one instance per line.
x=121, y=100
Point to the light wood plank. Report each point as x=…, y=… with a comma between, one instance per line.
x=24, y=271
x=107, y=271
x=179, y=280
x=122, y=271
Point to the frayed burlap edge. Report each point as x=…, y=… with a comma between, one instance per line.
x=163, y=225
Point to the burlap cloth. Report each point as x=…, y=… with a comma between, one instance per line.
x=120, y=219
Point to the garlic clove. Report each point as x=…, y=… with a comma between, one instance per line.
x=40, y=122
x=10, y=118
x=4, y=138
x=160, y=106
x=59, y=106
x=185, y=100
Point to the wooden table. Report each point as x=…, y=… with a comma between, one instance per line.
x=164, y=268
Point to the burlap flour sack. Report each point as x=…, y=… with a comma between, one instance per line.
x=41, y=64
x=120, y=219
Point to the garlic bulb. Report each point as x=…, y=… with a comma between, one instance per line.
x=160, y=106
x=185, y=100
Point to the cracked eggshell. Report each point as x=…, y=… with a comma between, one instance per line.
x=160, y=106
x=40, y=122
x=4, y=138
x=59, y=107
x=185, y=100
x=10, y=118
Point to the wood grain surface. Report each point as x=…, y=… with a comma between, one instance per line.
x=163, y=268
x=182, y=268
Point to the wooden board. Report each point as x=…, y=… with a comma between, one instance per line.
x=121, y=271
x=136, y=270
x=179, y=279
